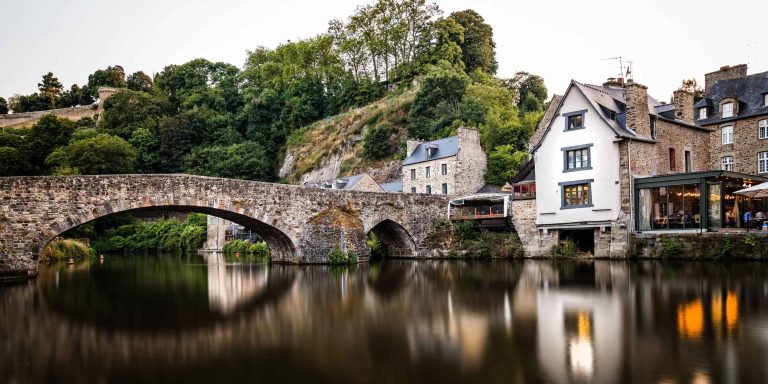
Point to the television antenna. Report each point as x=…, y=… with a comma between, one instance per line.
x=625, y=67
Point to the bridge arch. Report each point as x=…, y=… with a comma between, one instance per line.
x=397, y=241
x=280, y=240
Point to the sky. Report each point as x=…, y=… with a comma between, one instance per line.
x=666, y=40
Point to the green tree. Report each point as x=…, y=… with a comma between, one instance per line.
x=127, y=110
x=3, y=106
x=503, y=163
x=50, y=89
x=478, y=49
x=101, y=154
x=46, y=135
x=377, y=143
x=109, y=77
x=12, y=162
x=246, y=160
x=532, y=94
x=139, y=81
x=75, y=96
x=175, y=140
x=437, y=103
x=144, y=140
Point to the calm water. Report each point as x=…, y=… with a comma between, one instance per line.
x=195, y=319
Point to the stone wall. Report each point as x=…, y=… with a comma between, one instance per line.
x=471, y=163
x=706, y=245
x=28, y=119
x=535, y=242
x=37, y=209
x=435, y=179
x=636, y=96
x=724, y=73
x=745, y=147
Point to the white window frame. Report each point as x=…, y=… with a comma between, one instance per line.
x=765, y=99
x=728, y=109
x=427, y=172
x=762, y=129
x=413, y=174
x=726, y=135
x=727, y=163
x=702, y=113
x=762, y=162
x=444, y=169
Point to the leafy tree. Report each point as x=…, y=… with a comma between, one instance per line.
x=12, y=162
x=246, y=160
x=50, y=89
x=478, y=49
x=139, y=81
x=144, y=140
x=101, y=154
x=503, y=163
x=127, y=110
x=175, y=140
x=109, y=77
x=437, y=103
x=3, y=106
x=75, y=96
x=27, y=103
x=47, y=134
x=690, y=85
x=377, y=143
x=532, y=94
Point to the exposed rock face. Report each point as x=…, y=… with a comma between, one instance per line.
x=329, y=170
x=37, y=209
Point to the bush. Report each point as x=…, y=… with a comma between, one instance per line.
x=464, y=230
x=565, y=248
x=376, y=142
x=671, y=247
x=337, y=256
x=259, y=250
x=65, y=249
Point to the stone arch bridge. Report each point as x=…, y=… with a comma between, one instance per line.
x=300, y=225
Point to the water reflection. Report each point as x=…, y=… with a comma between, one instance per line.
x=199, y=319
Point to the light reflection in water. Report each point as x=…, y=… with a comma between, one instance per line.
x=690, y=319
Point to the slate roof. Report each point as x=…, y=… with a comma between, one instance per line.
x=488, y=188
x=392, y=186
x=446, y=147
x=339, y=183
x=610, y=104
x=748, y=91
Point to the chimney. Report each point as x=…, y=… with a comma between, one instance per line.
x=638, y=116
x=724, y=73
x=411, y=145
x=467, y=135
x=683, y=105
x=614, y=82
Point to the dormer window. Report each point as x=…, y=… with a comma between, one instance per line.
x=765, y=100
x=702, y=113
x=728, y=109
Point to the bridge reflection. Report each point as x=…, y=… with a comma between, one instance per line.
x=526, y=321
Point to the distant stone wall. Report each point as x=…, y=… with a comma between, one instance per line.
x=28, y=119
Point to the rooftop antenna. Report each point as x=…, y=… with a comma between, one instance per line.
x=624, y=71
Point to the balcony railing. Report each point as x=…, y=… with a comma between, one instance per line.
x=524, y=191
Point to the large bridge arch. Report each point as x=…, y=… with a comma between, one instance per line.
x=279, y=239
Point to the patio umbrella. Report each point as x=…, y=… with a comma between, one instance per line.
x=755, y=191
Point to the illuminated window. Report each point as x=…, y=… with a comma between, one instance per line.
x=576, y=194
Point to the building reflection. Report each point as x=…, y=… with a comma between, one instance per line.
x=232, y=285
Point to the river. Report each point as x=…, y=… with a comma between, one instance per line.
x=204, y=319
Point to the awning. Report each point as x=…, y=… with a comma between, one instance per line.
x=760, y=190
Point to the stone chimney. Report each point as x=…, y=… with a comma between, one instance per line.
x=638, y=116
x=724, y=73
x=411, y=145
x=683, y=101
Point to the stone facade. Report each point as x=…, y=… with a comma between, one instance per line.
x=536, y=243
x=724, y=73
x=465, y=171
x=289, y=218
x=636, y=97
x=745, y=147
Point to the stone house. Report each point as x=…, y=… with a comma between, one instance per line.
x=597, y=140
x=360, y=182
x=451, y=166
x=735, y=108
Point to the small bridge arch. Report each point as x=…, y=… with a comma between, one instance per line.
x=395, y=238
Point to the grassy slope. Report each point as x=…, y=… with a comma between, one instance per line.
x=341, y=134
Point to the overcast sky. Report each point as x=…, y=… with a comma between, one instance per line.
x=667, y=40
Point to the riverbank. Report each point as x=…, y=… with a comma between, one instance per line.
x=65, y=249
x=704, y=246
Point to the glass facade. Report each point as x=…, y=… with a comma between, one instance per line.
x=673, y=207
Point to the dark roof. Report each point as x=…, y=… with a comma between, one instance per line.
x=748, y=91
x=527, y=172
x=446, y=147
x=489, y=189
x=392, y=186
x=341, y=183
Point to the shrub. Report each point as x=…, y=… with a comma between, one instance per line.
x=65, y=249
x=565, y=248
x=464, y=230
x=377, y=144
x=337, y=256
x=671, y=247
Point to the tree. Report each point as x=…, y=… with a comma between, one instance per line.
x=3, y=106
x=12, y=162
x=478, y=49
x=76, y=96
x=50, y=89
x=246, y=160
x=691, y=86
x=47, y=134
x=139, y=81
x=377, y=143
x=127, y=110
x=437, y=103
x=503, y=163
x=175, y=140
x=530, y=89
x=101, y=154
x=109, y=77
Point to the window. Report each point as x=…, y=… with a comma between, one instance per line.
x=672, y=165
x=444, y=169
x=762, y=129
x=728, y=109
x=762, y=162
x=653, y=128
x=727, y=135
x=428, y=172
x=445, y=188
x=413, y=174
x=577, y=158
x=702, y=113
x=429, y=189
x=576, y=194
x=765, y=99
x=687, y=158
x=413, y=189
x=574, y=120
x=726, y=163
